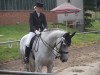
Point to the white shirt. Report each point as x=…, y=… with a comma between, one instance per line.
x=38, y=14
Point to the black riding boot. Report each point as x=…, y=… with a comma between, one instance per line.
x=27, y=53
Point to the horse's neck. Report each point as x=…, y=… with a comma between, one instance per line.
x=56, y=34
x=52, y=37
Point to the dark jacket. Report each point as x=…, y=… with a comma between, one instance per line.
x=36, y=22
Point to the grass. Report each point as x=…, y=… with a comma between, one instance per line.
x=80, y=40
x=87, y=39
x=7, y=54
x=96, y=25
x=15, y=32
x=12, y=32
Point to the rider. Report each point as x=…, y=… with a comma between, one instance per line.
x=38, y=24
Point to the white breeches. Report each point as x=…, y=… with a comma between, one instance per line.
x=30, y=35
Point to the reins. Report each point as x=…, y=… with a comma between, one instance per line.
x=49, y=46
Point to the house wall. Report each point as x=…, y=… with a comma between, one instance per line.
x=22, y=17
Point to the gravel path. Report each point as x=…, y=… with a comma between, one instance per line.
x=78, y=57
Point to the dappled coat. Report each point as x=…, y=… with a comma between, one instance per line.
x=36, y=22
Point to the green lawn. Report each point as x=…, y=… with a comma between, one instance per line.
x=96, y=25
x=85, y=39
x=7, y=54
x=15, y=32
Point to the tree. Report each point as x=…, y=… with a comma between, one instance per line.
x=89, y=5
x=98, y=4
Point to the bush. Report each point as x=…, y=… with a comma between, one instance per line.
x=88, y=20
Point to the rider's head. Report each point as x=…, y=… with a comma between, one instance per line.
x=38, y=7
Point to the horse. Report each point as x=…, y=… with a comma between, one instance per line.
x=46, y=47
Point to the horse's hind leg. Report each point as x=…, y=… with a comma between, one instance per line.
x=26, y=67
x=32, y=65
x=49, y=68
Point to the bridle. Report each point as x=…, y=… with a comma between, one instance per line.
x=65, y=40
x=62, y=52
x=54, y=48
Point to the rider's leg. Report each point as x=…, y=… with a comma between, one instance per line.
x=27, y=53
x=27, y=49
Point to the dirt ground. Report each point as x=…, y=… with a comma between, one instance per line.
x=82, y=61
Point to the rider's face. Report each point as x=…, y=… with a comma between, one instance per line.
x=39, y=9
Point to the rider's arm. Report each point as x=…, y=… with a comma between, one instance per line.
x=44, y=22
x=31, y=23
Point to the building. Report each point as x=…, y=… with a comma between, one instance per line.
x=17, y=11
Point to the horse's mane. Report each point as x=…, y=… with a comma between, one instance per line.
x=53, y=29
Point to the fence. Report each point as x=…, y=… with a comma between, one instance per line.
x=21, y=73
x=18, y=72
x=17, y=41
x=10, y=43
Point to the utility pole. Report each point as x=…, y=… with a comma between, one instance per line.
x=95, y=9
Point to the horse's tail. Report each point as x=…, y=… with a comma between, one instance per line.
x=22, y=45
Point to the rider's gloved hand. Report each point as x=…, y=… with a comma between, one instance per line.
x=45, y=29
x=37, y=32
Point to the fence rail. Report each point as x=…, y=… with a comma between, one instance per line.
x=9, y=42
x=17, y=41
x=22, y=73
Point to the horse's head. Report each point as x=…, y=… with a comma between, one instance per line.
x=62, y=44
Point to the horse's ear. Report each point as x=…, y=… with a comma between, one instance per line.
x=73, y=34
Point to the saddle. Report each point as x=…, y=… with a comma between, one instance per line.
x=35, y=38
x=32, y=41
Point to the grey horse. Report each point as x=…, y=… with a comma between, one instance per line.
x=50, y=44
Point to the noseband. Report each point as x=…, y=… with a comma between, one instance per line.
x=59, y=51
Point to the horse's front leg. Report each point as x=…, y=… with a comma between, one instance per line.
x=38, y=68
x=49, y=68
